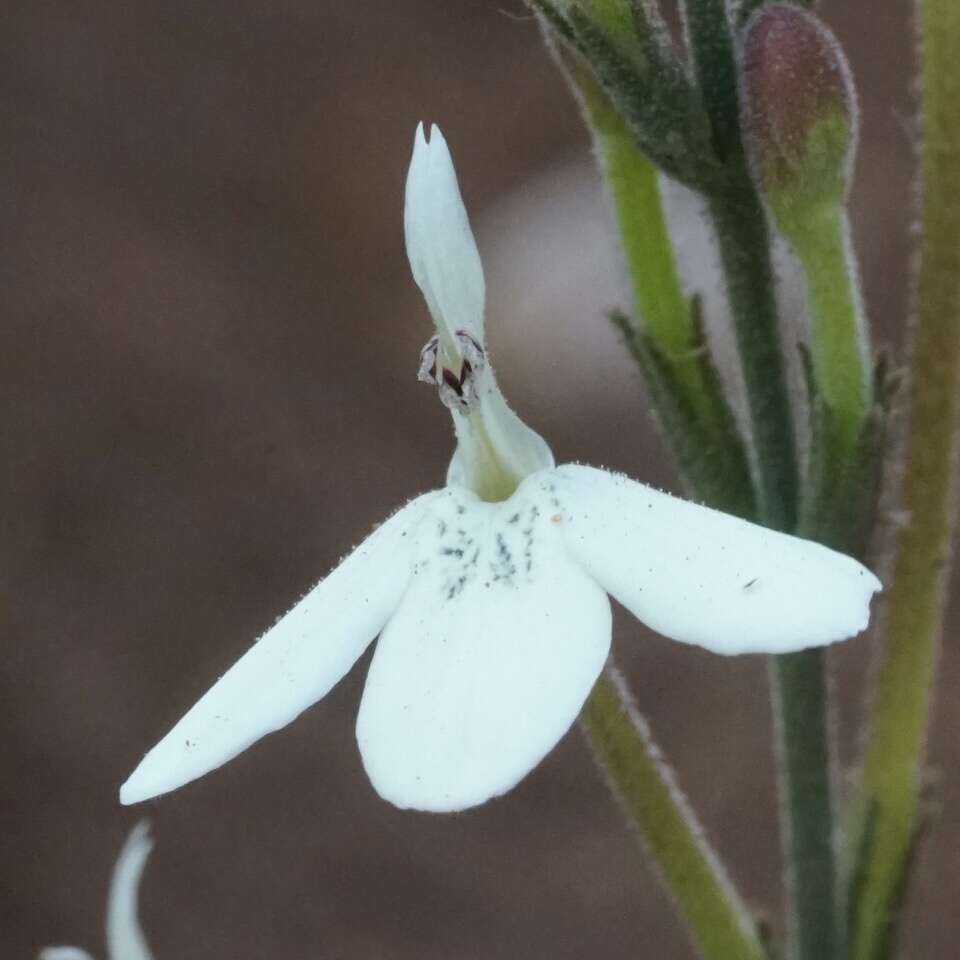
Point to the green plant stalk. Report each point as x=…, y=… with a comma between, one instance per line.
x=840, y=350
x=744, y=242
x=635, y=193
x=841, y=376
x=799, y=686
x=917, y=592
x=718, y=921
x=801, y=712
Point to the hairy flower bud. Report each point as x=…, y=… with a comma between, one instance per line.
x=799, y=110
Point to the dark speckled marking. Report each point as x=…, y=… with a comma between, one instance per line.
x=457, y=587
x=502, y=565
x=497, y=549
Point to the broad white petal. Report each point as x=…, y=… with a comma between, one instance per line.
x=63, y=953
x=124, y=937
x=291, y=666
x=488, y=661
x=705, y=577
x=443, y=254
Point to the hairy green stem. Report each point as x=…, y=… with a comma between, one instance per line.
x=801, y=709
x=799, y=685
x=651, y=266
x=917, y=593
x=744, y=241
x=840, y=348
x=718, y=920
x=742, y=234
x=842, y=391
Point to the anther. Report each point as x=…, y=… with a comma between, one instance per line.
x=428, y=362
x=457, y=389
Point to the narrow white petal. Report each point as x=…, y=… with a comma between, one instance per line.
x=291, y=666
x=63, y=953
x=443, y=254
x=124, y=937
x=488, y=661
x=705, y=577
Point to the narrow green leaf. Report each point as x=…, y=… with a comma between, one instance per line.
x=843, y=479
x=699, y=427
x=656, y=100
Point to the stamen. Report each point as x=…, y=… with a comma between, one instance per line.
x=427, y=373
x=457, y=389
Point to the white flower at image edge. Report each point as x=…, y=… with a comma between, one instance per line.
x=489, y=596
x=124, y=937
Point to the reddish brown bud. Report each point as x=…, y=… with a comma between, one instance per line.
x=799, y=108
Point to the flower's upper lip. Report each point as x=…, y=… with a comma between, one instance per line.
x=495, y=449
x=440, y=244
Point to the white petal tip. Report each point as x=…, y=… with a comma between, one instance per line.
x=140, y=835
x=63, y=953
x=432, y=159
x=440, y=245
x=434, y=799
x=429, y=135
x=140, y=787
x=129, y=795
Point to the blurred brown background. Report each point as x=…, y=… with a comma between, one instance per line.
x=209, y=340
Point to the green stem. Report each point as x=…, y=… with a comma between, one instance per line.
x=799, y=680
x=840, y=348
x=744, y=242
x=841, y=381
x=801, y=708
x=719, y=922
x=918, y=591
x=635, y=192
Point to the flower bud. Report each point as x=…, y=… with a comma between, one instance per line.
x=799, y=110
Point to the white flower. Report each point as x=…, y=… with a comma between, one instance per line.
x=490, y=595
x=124, y=937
